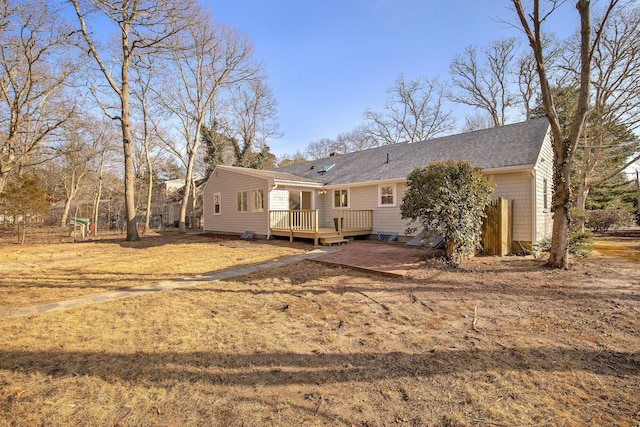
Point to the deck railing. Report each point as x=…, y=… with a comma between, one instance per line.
x=307, y=220
x=302, y=220
x=353, y=220
x=305, y=223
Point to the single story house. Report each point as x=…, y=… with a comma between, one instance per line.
x=360, y=193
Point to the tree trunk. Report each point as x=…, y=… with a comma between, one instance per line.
x=149, y=196
x=150, y=176
x=23, y=233
x=581, y=203
x=182, y=226
x=65, y=212
x=559, y=252
x=129, y=171
x=3, y=180
x=96, y=203
x=191, y=153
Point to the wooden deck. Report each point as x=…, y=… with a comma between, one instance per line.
x=304, y=224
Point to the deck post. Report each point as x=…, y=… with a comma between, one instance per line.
x=315, y=235
x=290, y=226
x=339, y=222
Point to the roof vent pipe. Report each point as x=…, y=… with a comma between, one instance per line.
x=387, y=157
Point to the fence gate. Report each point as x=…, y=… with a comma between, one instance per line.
x=497, y=227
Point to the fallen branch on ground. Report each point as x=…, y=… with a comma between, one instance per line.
x=379, y=303
x=415, y=299
x=475, y=318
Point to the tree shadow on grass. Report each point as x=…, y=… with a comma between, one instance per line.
x=281, y=369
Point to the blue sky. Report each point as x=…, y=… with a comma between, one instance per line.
x=328, y=60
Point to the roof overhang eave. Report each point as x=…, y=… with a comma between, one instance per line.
x=509, y=169
x=298, y=183
x=500, y=170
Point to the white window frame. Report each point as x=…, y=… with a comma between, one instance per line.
x=393, y=195
x=241, y=201
x=217, y=197
x=333, y=198
x=255, y=195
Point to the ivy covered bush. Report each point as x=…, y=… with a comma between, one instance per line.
x=448, y=198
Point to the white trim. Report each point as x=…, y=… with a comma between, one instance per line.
x=219, y=195
x=246, y=202
x=333, y=198
x=394, y=196
x=534, y=205
x=253, y=200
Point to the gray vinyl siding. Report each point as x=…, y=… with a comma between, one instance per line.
x=365, y=197
x=228, y=183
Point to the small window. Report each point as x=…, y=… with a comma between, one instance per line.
x=241, y=198
x=257, y=201
x=545, y=194
x=341, y=198
x=387, y=195
x=217, y=197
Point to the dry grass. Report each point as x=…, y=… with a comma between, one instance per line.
x=626, y=247
x=503, y=342
x=40, y=273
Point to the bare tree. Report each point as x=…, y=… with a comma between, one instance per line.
x=207, y=58
x=289, y=159
x=81, y=145
x=486, y=85
x=35, y=68
x=143, y=27
x=324, y=148
x=105, y=149
x=608, y=146
x=144, y=95
x=564, y=142
x=477, y=121
x=252, y=119
x=356, y=140
x=527, y=83
x=414, y=112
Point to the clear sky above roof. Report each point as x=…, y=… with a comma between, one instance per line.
x=328, y=60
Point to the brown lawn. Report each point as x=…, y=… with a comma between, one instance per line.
x=44, y=272
x=503, y=342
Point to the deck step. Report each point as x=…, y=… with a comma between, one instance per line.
x=332, y=240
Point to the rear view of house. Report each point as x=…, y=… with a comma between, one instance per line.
x=360, y=193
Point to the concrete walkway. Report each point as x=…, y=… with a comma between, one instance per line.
x=168, y=284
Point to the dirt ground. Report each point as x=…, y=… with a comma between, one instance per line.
x=501, y=342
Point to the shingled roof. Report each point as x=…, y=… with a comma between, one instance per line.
x=515, y=145
x=276, y=175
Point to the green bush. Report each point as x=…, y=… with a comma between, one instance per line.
x=601, y=220
x=581, y=244
x=449, y=198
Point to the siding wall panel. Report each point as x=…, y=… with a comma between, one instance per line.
x=228, y=183
x=517, y=187
x=544, y=170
